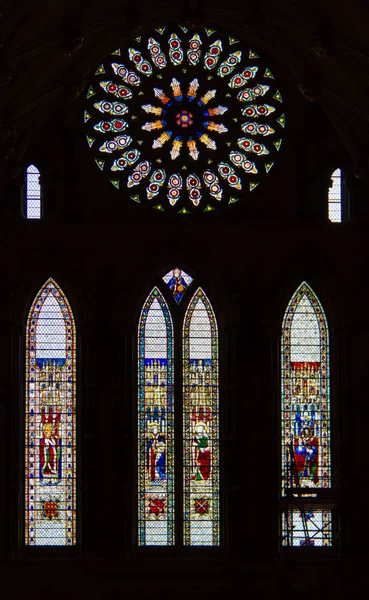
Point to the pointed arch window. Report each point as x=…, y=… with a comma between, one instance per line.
x=194, y=425
x=155, y=424
x=200, y=424
x=335, y=197
x=50, y=415
x=33, y=193
x=306, y=442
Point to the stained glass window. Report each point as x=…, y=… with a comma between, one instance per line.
x=200, y=424
x=306, y=442
x=50, y=481
x=33, y=193
x=184, y=120
x=335, y=197
x=177, y=281
x=155, y=424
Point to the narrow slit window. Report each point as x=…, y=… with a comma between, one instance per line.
x=306, y=439
x=155, y=424
x=33, y=193
x=200, y=424
x=335, y=197
x=50, y=478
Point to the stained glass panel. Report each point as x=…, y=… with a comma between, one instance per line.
x=188, y=98
x=50, y=501
x=155, y=424
x=306, y=450
x=335, y=197
x=178, y=282
x=200, y=424
x=33, y=193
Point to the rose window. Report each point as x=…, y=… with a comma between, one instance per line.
x=184, y=120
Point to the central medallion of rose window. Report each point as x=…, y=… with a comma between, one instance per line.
x=185, y=120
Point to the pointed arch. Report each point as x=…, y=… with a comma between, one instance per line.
x=306, y=444
x=200, y=423
x=155, y=424
x=50, y=419
x=33, y=193
x=335, y=197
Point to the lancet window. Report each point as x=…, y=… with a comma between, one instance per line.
x=192, y=427
x=50, y=414
x=335, y=197
x=33, y=193
x=306, y=440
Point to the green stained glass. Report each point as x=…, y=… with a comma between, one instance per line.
x=100, y=70
x=233, y=40
x=50, y=419
x=200, y=424
x=115, y=183
x=278, y=143
x=277, y=96
x=90, y=92
x=253, y=185
x=135, y=198
x=209, y=208
x=269, y=74
x=253, y=54
x=233, y=199
x=159, y=207
x=100, y=163
x=209, y=32
x=268, y=166
x=281, y=120
x=90, y=140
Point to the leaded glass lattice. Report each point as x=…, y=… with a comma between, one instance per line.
x=50, y=482
x=184, y=120
x=200, y=424
x=33, y=193
x=155, y=424
x=335, y=197
x=306, y=449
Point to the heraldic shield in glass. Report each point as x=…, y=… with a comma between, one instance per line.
x=155, y=424
x=184, y=120
x=200, y=424
x=50, y=485
x=306, y=451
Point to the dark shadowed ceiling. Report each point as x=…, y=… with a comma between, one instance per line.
x=50, y=46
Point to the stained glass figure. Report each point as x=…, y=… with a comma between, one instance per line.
x=50, y=462
x=155, y=424
x=306, y=446
x=186, y=100
x=177, y=281
x=33, y=193
x=335, y=197
x=200, y=424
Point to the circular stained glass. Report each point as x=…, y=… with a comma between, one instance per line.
x=184, y=120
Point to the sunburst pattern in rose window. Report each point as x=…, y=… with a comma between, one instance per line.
x=184, y=119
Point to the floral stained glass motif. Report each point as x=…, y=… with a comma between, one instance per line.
x=178, y=282
x=335, y=197
x=200, y=424
x=306, y=449
x=155, y=424
x=188, y=99
x=50, y=502
x=33, y=193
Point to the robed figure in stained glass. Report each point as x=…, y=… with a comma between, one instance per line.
x=306, y=458
x=201, y=455
x=177, y=285
x=155, y=453
x=50, y=446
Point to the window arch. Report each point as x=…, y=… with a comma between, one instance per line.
x=155, y=423
x=50, y=419
x=335, y=197
x=195, y=426
x=200, y=423
x=306, y=444
x=33, y=193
